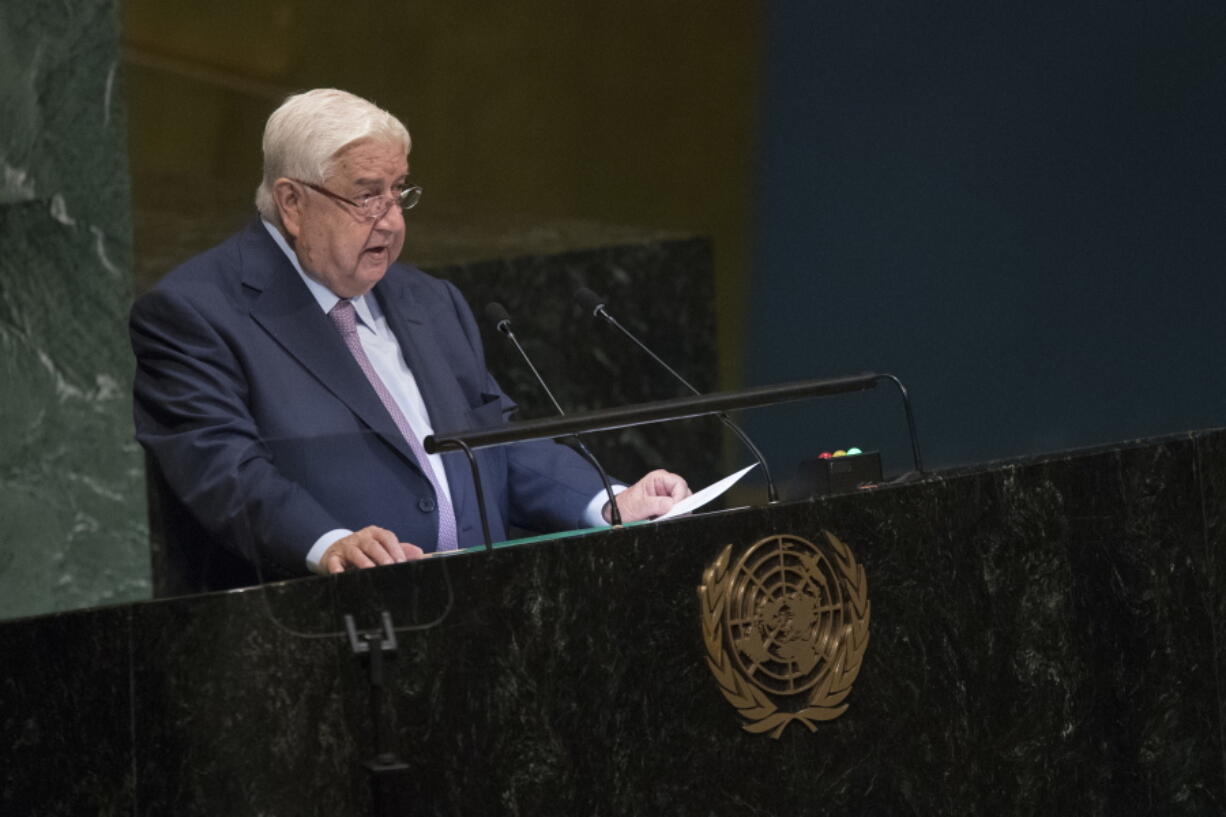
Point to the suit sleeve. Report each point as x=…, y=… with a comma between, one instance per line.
x=190, y=410
x=549, y=486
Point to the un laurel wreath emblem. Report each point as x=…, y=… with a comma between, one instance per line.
x=790, y=618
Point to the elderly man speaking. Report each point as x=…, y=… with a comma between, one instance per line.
x=286, y=378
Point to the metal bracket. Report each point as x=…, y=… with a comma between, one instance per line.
x=386, y=768
x=362, y=641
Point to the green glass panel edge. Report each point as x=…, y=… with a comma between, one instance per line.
x=543, y=537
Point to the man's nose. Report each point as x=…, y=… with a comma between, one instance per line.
x=392, y=220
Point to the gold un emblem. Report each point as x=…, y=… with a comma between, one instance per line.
x=789, y=619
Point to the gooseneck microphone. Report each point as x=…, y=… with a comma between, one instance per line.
x=591, y=302
x=501, y=319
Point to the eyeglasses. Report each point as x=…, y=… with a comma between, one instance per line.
x=371, y=206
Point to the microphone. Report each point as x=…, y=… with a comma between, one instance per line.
x=501, y=319
x=591, y=302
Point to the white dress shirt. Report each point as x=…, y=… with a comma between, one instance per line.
x=381, y=346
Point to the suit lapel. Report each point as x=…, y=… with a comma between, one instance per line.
x=285, y=308
x=444, y=400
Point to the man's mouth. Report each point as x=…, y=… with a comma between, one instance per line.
x=376, y=253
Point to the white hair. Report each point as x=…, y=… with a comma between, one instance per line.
x=303, y=137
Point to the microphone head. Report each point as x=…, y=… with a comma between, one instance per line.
x=588, y=300
x=498, y=315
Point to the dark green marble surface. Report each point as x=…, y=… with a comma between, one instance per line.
x=68, y=744
x=1043, y=641
x=662, y=290
x=72, y=530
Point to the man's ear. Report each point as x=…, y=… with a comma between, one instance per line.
x=288, y=197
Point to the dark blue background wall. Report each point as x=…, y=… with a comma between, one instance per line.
x=1019, y=210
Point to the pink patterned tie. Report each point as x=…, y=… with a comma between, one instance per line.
x=345, y=318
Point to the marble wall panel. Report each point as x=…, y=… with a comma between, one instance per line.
x=72, y=528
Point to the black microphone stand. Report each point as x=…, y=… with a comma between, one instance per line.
x=502, y=322
x=591, y=301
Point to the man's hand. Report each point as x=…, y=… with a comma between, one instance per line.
x=368, y=547
x=651, y=496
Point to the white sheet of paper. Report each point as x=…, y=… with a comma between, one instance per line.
x=699, y=498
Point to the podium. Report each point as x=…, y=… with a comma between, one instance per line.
x=1043, y=639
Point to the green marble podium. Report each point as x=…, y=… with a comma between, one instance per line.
x=1043, y=639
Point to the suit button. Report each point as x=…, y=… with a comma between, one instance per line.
x=426, y=504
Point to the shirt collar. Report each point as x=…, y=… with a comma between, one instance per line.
x=326, y=298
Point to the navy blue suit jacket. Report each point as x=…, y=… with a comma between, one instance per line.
x=267, y=430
